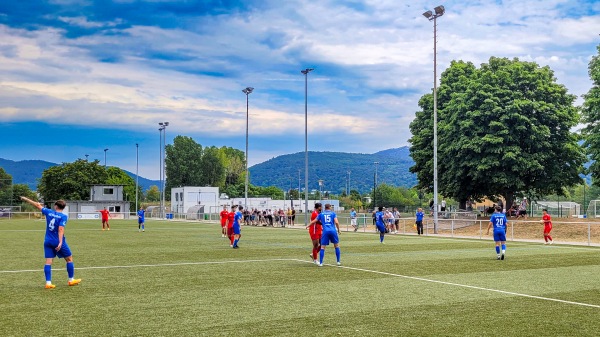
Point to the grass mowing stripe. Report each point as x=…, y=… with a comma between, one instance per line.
x=149, y=265
x=461, y=285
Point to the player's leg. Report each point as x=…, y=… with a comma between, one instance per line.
x=316, y=248
x=503, y=243
x=71, y=271
x=48, y=269
x=324, y=243
x=336, y=245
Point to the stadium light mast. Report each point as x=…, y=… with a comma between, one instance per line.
x=439, y=11
x=160, y=172
x=299, y=197
x=348, y=185
x=105, y=157
x=137, y=161
x=305, y=72
x=246, y=91
x=163, y=146
x=375, y=186
x=86, y=157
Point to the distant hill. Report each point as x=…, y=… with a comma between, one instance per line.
x=29, y=171
x=332, y=168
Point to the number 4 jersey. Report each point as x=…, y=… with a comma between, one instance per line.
x=53, y=221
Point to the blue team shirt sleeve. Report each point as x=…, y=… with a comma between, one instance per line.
x=45, y=211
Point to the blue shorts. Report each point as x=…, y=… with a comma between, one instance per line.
x=236, y=230
x=50, y=250
x=140, y=221
x=329, y=236
x=499, y=236
x=381, y=228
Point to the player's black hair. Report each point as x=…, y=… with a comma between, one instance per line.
x=380, y=208
x=241, y=208
x=327, y=206
x=545, y=210
x=498, y=209
x=318, y=205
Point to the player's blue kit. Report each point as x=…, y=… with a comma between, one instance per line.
x=379, y=222
x=327, y=220
x=236, y=222
x=420, y=216
x=53, y=221
x=353, y=215
x=499, y=222
x=141, y=216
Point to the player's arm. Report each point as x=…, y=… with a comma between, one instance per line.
x=313, y=222
x=489, y=226
x=61, y=234
x=337, y=225
x=33, y=203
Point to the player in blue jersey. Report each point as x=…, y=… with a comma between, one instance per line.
x=419, y=221
x=331, y=230
x=237, y=220
x=353, y=221
x=55, y=242
x=141, y=219
x=380, y=224
x=498, y=221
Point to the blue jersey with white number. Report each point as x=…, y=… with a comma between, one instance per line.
x=499, y=222
x=54, y=220
x=379, y=218
x=141, y=215
x=327, y=219
x=236, y=219
x=420, y=216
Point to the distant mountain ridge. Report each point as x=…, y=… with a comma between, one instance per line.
x=29, y=171
x=333, y=167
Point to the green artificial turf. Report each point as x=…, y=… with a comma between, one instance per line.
x=183, y=279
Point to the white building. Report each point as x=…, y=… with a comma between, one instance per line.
x=197, y=200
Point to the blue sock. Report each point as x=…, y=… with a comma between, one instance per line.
x=321, y=256
x=48, y=272
x=142, y=226
x=504, y=247
x=381, y=237
x=70, y=269
x=235, y=242
x=497, y=249
x=337, y=253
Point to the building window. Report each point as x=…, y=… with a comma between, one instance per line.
x=176, y=196
x=108, y=191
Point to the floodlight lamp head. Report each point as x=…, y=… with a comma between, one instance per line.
x=166, y=123
x=248, y=90
x=439, y=10
x=427, y=14
x=105, y=150
x=307, y=70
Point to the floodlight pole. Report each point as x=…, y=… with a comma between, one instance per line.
x=305, y=72
x=375, y=185
x=439, y=11
x=246, y=91
x=105, y=157
x=137, y=176
x=163, y=145
x=160, y=167
x=348, y=186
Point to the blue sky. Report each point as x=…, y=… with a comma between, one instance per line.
x=79, y=76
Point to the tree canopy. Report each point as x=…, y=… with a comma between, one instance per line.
x=503, y=130
x=71, y=181
x=591, y=116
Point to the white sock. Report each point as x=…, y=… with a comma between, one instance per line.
x=71, y=279
x=48, y=282
x=503, y=251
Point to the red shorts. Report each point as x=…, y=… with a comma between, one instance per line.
x=229, y=231
x=223, y=224
x=547, y=229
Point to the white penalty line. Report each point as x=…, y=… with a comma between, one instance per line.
x=148, y=265
x=462, y=285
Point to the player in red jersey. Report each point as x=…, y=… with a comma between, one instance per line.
x=315, y=231
x=105, y=214
x=230, y=218
x=224, y=217
x=547, y=221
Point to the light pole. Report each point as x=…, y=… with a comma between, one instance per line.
x=299, y=198
x=321, y=190
x=375, y=185
x=164, y=159
x=439, y=11
x=348, y=185
x=160, y=168
x=305, y=72
x=137, y=166
x=246, y=91
x=86, y=157
x=105, y=157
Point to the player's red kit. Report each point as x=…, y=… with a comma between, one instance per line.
x=104, y=213
x=315, y=230
x=224, y=216
x=230, y=217
x=547, y=227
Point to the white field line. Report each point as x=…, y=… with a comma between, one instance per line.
x=148, y=265
x=462, y=285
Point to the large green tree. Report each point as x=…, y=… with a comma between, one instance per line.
x=183, y=163
x=71, y=181
x=213, y=168
x=6, y=188
x=503, y=130
x=591, y=116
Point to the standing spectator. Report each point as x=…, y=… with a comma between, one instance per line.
x=396, y=215
x=353, y=219
x=522, y=209
x=419, y=221
x=293, y=216
x=469, y=205
x=431, y=206
x=501, y=205
x=443, y=205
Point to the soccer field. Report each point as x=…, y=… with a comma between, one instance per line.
x=182, y=279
